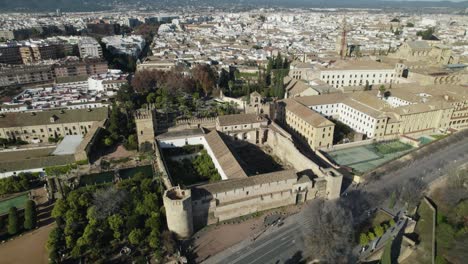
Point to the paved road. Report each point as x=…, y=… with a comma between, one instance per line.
x=426, y=169
x=281, y=244
x=273, y=248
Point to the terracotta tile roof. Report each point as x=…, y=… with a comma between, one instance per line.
x=308, y=115
x=61, y=117
x=223, y=154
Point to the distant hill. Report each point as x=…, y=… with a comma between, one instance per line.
x=52, y=5
x=97, y=5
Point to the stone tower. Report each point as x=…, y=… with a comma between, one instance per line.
x=178, y=205
x=145, y=120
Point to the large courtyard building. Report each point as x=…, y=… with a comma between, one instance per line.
x=35, y=127
x=403, y=110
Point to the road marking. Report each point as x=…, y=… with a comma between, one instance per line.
x=280, y=245
x=265, y=241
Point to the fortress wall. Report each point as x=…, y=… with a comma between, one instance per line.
x=195, y=123
x=284, y=149
x=262, y=189
x=256, y=204
x=319, y=190
x=161, y=166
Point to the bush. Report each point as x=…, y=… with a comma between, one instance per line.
x=363, y=239
x=205, y=167
x=54, y=243
x=30, y=215
x=59, y=170
x=108, y=141
x=132, y=142
x=82, y=162
x=135, y=237
x=13, y=224
x=378, y=231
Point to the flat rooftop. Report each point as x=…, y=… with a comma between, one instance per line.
x=68, y=145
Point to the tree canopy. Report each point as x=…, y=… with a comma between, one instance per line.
x=95, y=222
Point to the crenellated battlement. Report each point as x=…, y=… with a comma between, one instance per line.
x=145, y=113
x=195, y=120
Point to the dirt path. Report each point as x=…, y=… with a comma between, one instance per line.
x=28, y=248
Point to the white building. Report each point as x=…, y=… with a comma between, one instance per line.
x=127, y=45
x=89, y=48
x=359, y=73
x=108, y=83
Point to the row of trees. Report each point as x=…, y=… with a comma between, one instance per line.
x=95, y=222
x=269, y=81
x=20, y=183
x=202, y=78
x=15, y=224
x=276, y=70
x=121, y=128
x=377, y=231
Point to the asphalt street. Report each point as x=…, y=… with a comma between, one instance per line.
x=284, y=244
x=279, y=244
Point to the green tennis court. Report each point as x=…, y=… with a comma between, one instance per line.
x=425, y=140
x=367, y=157
x=18, y=202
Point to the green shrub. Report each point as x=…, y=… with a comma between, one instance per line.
x=60, y=170
x=378, y=231
x=19, y=183
x=363, y=239
x=108, y=141
x=30, y=215
x=82, y=162
x=132, y=142
x=13, y=223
